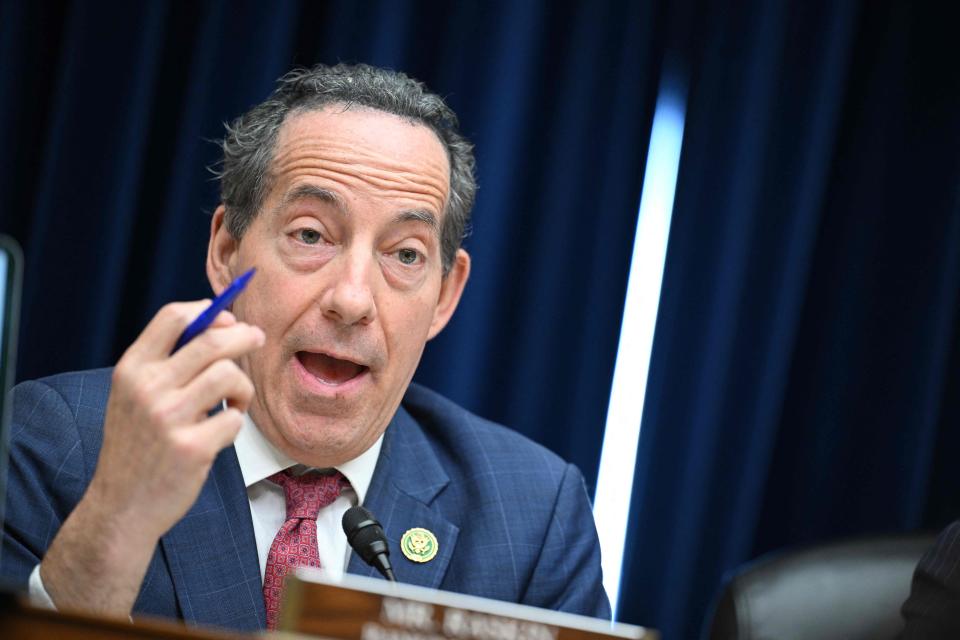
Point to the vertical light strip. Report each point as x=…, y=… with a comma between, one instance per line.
x=621, y=436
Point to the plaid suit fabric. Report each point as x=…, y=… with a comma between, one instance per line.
x=513, y=520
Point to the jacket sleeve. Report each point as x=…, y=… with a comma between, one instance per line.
x=45, y=477
x=933, y=608
x=567, y=576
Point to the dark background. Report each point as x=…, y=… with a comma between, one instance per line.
x=804, y=383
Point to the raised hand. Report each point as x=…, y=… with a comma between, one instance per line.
x=158, y=446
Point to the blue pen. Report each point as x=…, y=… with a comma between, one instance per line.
x=219, y=303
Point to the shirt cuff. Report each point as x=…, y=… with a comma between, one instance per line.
x=38, y=593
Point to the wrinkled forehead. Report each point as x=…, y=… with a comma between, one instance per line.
x=381, y=147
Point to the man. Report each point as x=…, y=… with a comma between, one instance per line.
x=348, y=190
x=933, y=608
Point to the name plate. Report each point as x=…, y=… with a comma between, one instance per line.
x=369, y=609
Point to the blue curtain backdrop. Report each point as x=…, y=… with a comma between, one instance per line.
x=804, y=380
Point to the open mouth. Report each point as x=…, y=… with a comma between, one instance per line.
x=329, y=370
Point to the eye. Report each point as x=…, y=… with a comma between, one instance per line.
x=408, y=256
x=308, y=236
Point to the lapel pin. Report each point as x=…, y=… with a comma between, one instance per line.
x=419, y=545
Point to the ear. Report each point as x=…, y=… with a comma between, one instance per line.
x=221, y=253
x=451, y=288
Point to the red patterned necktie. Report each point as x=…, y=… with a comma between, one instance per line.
x=296, y=542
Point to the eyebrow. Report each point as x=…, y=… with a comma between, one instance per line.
x=419, y=215
x=309, y=191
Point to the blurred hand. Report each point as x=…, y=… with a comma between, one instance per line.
x=159, y=444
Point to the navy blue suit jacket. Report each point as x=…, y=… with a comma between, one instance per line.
x=513, y=521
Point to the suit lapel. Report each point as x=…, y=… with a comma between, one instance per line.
x=407, y=478
x=212, y=553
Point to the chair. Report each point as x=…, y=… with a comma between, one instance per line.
x=850, y=590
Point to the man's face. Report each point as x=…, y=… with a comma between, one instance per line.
x=349, y=283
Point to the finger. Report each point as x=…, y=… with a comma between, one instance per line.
x=224, y=319
x=220, y=430
x=161, y=333
x=213, y=344
x=221, y=380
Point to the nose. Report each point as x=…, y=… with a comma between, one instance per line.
x=349, y=300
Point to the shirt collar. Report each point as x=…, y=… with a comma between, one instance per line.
x=259, y=459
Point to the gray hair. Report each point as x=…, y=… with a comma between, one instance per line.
x=248, y=147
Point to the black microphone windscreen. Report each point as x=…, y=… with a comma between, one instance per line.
x=354, y=517
x=366, y=537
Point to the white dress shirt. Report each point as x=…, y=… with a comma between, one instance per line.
x=259, y=460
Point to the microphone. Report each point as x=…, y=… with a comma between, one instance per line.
x=366, y=537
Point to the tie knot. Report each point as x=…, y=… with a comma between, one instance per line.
x=308, y=493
